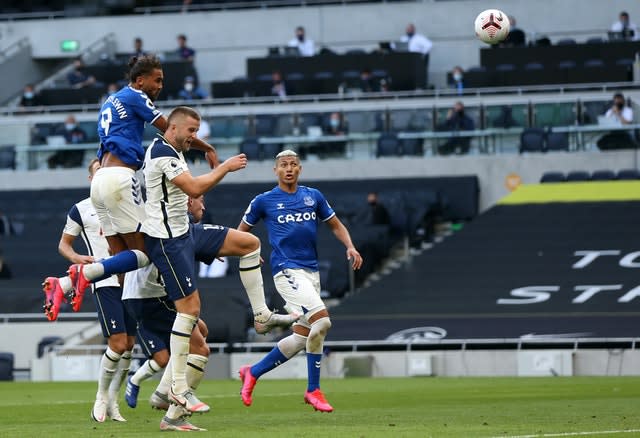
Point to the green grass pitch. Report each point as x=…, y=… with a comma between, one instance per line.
x=364, y=407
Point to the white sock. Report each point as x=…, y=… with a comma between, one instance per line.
x=165, y=381
x=196, y=365
x=148, y=369
x=174, y=411
x=108, y=366
x=251, y=278
x=120, y=375
x=179, y=342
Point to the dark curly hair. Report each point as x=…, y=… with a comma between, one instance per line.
x=142, y=66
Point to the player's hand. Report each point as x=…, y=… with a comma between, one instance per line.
x=83, y=259
x=212, y=158
x=236, y=162
x=355, y=258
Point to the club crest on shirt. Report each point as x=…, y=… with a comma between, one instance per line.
x=308, y=201
x=174, y=163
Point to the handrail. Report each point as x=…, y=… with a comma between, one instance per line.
x=13, y=48
x=391, y=96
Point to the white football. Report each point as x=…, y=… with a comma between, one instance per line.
x=492, y=26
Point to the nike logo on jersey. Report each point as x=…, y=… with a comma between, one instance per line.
x=280, y=206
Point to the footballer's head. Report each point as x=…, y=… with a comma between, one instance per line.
x=287, y=167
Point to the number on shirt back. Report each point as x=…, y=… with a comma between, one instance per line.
x=105, y=120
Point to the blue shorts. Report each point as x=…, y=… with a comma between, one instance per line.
x=207, y=239
x=155, y=318
x=175, y=260
x=111, y=312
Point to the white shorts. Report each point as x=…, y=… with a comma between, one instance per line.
x=115, y=194
x=300, y=288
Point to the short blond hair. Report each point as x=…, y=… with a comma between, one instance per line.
x=287, y=153
x=90, y=166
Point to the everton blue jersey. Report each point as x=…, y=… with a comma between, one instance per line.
x=292, y=224
x=121, y=124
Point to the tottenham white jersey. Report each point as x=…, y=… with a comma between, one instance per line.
x=82, y=220
x=143, y=283
x=166, y=206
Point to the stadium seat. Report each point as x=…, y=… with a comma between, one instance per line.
x=603, y=175
x=251, y=147
x=388, y=145
x=270, y=150
x=628, y=174
x=505, y=67
x=568, y=64
x=595, y=40
x=557, y=141
x=532, y=140
x=565, y=42
x=412, y=146
x=578, y=175
x=7, y=157
x=6, y=366
x=553, y=177
x=46, y=341
x=533, y=66
x=594, y=63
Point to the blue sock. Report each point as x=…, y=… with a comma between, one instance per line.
x=120, y=263
x=313, y=369
x=269, y=362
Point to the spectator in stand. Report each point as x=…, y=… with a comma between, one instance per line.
x=621, y=114
x=78, y=78
x=278, y=87
x=5, y=271
x=457, y=79
x=305, y=45
x=335, y=126
x=628, y=29
x=72, y=135
x=185, y=52
x=375, y=213
x=190, y=91
x=138, y=51
x=418, y=43
x=29, y=97
x=367, y=81
x=456, y=121
x=516, y=37
x=112, y=89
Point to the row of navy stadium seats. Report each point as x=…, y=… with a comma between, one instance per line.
x=596, y=175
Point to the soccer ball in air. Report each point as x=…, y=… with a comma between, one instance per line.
x=492, y=26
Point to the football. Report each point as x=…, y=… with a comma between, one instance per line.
x=492, y=26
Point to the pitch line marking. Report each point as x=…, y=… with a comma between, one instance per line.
x=544, y=435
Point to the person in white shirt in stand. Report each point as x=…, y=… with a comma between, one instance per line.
x=620, y=110
x=628, y=29
x=418, y=43
x=305, y=45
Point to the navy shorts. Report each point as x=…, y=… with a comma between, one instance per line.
x=111, y=312
x=175, y=260
x=207, y=239
x=155, y=318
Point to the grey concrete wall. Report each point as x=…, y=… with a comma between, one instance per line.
x=225, y=39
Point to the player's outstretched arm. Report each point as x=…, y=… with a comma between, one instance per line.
x=199, y=185
x=341, y=232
